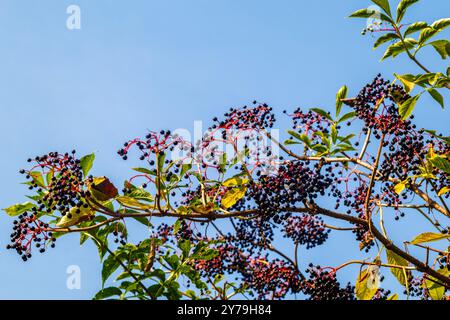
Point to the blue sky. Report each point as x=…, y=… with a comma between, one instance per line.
x=146, y=64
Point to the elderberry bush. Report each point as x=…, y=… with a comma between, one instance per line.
x=232, y=213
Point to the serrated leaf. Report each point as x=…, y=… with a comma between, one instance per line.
x=429, y=237
x=341, y=94
x=442, y=47
x=301, y=137
x=407, y=108
x=395, y=259
x=145, y=171
x=399, y=47
x=347, y=116
x=110, y=265
x=322, y=112
x=441, y=24
x=402, y=7
x=436, y=96
x=383, y=4
x=37, y=178
x=18, y=208
x=370, y=13
x=417, y=26
x=132, y=202
x=385, y=38
x=441, y=163
x=86, y=163
x=231, y=197
x=107, y=293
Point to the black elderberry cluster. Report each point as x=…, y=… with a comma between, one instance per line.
x=377, y=105
x=272, y=279
x=29, y=231
x=306, y=230
x=295, y=182
x=64, y=189
x=323, y=285
x=258, y=117
x=156, y=143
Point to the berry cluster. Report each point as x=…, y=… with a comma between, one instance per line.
x=272, y=279
x=376, y=105
x=306, y=230
x=64, y=189
x=323, y=285
x=28, y=230
x=259, y=117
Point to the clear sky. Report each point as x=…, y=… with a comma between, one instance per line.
x=147, y=64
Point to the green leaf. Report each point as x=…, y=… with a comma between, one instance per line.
x=442, y=47
x=441, y=163
x=417, y=26
x=323, y=113
x=364, y=289
x=107, y=293
x=347, y=116
x=435, y=290
x=383, y=4
x=231, y=197
x=86, y=163
x=436, y=96
x=370, y=13
x=399, y=47
x=18, y=208
x=395, y=259
x=407, y=108
x=429, y=237
x=407, y=80
x=161, y=158
x=110, y=265
x=132, y=202
x=441, y=24
x=145, y=171
x=37, y=178
x=73, y=218
x=235, y=181
x=301, y=137
x=402, y=7
x=341, y=94
x=385, y=38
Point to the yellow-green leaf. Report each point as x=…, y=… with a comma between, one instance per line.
x=132, y=202
x=435, y=290
x=407, y=81
x=74, y=217
x=235, y=181
x=18, y=208
x=393, y=297
x=232, y=196
x=365, y=290
x=400, y=274
x=443, y=191
x=399, y=187
x=429, y=237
